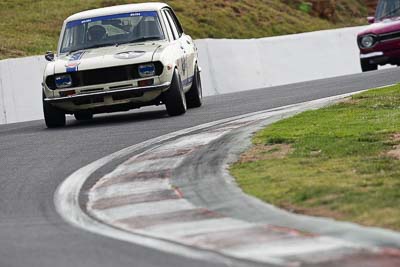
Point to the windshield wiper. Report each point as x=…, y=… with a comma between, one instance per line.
x=148, y=38
x=73, y=51
x=99, y=45
x=142, y=39
x=390, y=14
x=91, y=47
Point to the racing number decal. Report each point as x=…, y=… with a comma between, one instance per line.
x=74, y=62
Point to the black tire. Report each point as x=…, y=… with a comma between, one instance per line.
x=53, y=117
x=83, y=116
x=366, y=66
x=174, y=97
x=195, y=95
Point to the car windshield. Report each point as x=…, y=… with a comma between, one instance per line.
x=111, y=30
x=388, y=9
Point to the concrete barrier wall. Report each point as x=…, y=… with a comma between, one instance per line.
x=237, y=65
x=20, y=89
x=228, y=66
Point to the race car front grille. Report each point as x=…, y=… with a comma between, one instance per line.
x=104, y=75
x=389, y=36
x=88, y=101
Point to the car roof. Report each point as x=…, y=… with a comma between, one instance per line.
x=116, y=10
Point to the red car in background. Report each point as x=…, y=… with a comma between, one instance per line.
x=380, y=43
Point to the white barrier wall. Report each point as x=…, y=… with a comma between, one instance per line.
x=20, y=89
x=237, y=65
x=227, y=66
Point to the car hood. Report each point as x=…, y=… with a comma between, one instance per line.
x=106, y=57
x=384, y=26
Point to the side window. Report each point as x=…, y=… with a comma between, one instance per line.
x=67, y=41
x=176, y=21
x=172, y=25
x=168, y=25
x=73, y=37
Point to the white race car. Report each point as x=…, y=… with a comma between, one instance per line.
x=120, y=58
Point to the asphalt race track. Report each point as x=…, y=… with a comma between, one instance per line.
x=35, y=160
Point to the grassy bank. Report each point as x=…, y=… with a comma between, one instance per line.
x=342, y=161
x=32, y=27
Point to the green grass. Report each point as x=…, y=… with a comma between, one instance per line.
x=32, y=27
x=339, y=165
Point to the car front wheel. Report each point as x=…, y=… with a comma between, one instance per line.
x=174, y=98
x=366, y=66
x=53, y=117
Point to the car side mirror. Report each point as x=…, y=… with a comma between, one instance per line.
x=371, y=20
x=49, y=56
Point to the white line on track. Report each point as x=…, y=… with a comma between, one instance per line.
x=148, y=166
x=290, y=247
x=196, y=140
x=177, y=230
x=143, y=209
x=125, y=189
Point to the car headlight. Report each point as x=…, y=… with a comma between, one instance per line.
x=367, y=41
x=147, y=70
x=63, y=81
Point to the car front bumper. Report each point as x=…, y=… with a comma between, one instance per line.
x=382, y=57
x=84, y=96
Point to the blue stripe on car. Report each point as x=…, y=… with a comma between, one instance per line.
x=73, y=69
x=188, y=81
x=75, y=57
